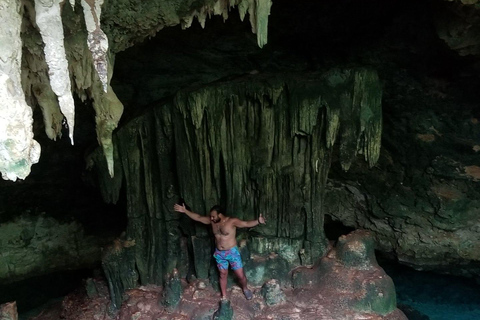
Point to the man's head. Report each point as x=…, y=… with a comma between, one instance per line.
x=216, y=214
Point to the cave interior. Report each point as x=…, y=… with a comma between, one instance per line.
x=415, y=192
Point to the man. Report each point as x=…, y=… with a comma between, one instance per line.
x=226, y=251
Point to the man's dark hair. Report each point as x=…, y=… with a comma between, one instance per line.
x=218, y=208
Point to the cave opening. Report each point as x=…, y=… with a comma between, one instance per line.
x=334, y=228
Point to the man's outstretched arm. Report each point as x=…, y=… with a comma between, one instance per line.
x=249, y=224
x=192, y=215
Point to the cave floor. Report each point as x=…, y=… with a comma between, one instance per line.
x=200, y=301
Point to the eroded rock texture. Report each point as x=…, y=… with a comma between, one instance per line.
x=64, y=47
x=350, y=280
x=18, y=149
x=41, y=245
x=255, y=145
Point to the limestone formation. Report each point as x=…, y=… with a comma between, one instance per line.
x=18, y=150
x=172, y=292
x=97, y=39
x=272, y=293
x=50, y=75
x=260, y=144
x=117, y=262
x=49, y=21
x=352, y=275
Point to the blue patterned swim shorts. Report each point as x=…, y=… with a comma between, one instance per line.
x=226, y=257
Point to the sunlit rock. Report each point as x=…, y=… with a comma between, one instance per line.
x=18, y=150
x=49, y=21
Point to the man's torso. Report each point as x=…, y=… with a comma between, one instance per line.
x=225, y=234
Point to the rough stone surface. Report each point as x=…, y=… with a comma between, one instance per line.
x=143, y=303
x=49, y=21
x=334, y=290
x=272, y=293
x=18, y=149
x=8, y=311
x=421, y=201
x=353, y=276
x=40, y=245
x=65, y=60
x=260, y=145
x=224, y=312
x=172, y=292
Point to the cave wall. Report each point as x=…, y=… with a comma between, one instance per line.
x=421, y=199
x=39, y=244
x=258, y=144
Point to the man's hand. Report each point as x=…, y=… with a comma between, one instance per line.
x=180, y=208
x=261, y=219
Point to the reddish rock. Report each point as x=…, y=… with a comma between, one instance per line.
x=8, y=311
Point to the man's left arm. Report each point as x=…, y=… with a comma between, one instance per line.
x=249, y=224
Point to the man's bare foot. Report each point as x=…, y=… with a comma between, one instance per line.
x=248, y=294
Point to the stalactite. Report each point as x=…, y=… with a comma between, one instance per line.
x=97, y=39
x=62, y=62
x=18, y=150
x=108, y=110
x=52, y=116
x=258, y=10
x=49, y=21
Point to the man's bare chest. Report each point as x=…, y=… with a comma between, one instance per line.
x=222, y=229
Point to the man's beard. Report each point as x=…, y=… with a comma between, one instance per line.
x=216, y=220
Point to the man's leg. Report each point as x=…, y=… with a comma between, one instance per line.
x=242, y=279
x=222, y=266
x=223, y=282
x=236, y=263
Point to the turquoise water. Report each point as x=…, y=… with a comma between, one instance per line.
x=439, y=297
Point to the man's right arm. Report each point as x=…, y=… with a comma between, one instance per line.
x=191, y=215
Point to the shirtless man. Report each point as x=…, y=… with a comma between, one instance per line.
x=226, y=251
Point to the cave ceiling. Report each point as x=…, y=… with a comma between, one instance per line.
x=55, y=51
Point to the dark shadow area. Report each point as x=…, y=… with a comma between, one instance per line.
x=334, y=228
x=35, y=292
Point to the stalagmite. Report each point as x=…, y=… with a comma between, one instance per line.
x=97, y=39
x=49, y=21
x=18, y=150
